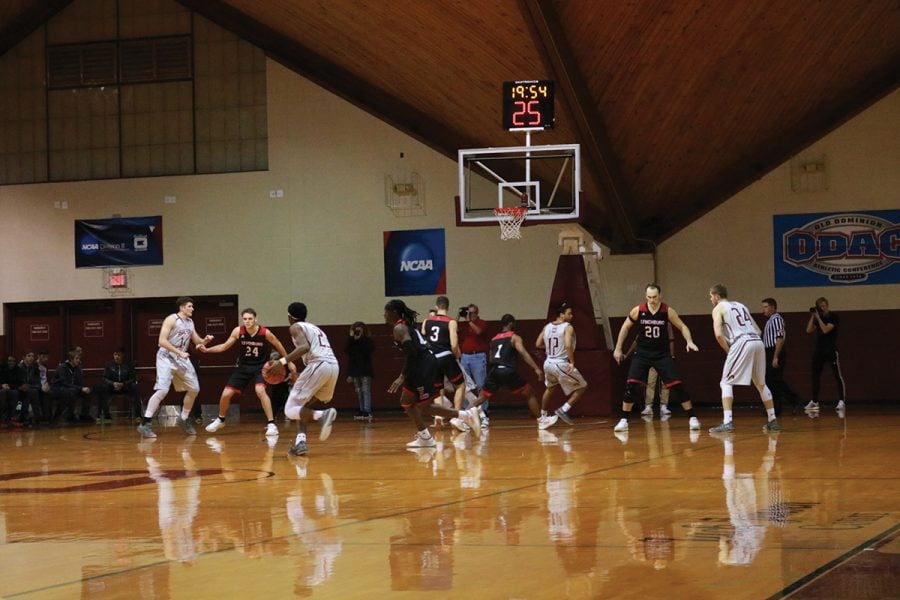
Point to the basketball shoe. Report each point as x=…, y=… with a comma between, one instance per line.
x=216, y=424
x=564, y=416
x=327, y=420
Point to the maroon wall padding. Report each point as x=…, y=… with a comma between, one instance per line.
x=867, y=362
x=571, y=286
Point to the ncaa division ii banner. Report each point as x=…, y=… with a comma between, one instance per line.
x=119, y=242
x=414, y=263
x=860, y=247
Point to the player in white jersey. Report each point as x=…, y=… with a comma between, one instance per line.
x=738, y=335
x=173, y=366
x=315, y=382
x=558, y=339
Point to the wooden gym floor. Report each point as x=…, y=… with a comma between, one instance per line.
x=94, y=512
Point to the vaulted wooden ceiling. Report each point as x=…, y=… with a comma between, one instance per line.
x=678, y=104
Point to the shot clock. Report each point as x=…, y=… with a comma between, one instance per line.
x=527, y=105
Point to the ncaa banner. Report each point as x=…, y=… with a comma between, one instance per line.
x=414, y=263
x=118, y=242
x=860, y=247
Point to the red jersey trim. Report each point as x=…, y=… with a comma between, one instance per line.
x=505, y=334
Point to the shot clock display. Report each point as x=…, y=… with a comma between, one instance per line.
x=528, y=105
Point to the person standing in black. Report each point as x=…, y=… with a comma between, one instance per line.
x=360, y=372
x=776, y=356
x=825, y=324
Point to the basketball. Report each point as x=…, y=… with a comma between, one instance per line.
x=273, y=372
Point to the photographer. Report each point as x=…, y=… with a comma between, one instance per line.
x=824, y=324
x=474, y=343
x=359, y=350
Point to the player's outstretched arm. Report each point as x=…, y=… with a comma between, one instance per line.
x=235, y=334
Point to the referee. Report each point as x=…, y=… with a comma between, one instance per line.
x=776, y=357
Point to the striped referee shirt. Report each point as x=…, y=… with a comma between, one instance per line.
x=774, y=329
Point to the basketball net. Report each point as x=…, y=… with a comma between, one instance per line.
x=510, y=219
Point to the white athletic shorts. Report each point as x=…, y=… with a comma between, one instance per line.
x=171, y=369
x=746, y=362
x=557, y=373
x=317, y=380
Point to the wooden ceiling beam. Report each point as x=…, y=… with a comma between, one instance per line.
x=601, y=162
x=338, y=80
x=780, y=148
x=36, y=15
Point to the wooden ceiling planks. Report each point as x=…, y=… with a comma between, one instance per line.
x=697, y=98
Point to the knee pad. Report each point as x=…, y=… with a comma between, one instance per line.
x=632, y=391
x=727, y=389
x=679, y=393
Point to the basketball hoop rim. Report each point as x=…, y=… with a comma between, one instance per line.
x=513, y=211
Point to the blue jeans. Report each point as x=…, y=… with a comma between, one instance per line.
x=363, y=387
x=476, y=367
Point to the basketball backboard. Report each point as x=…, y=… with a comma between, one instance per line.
x=546, y=180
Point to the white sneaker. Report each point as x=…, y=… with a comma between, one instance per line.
x=327, y=419
x=420, y=442
x=438, y=423
x=622, y=425
x=271, y=430
x=648, y=410
x=547, y=421
x=694, y=424
x=459, y=425
x=664, y=410
x=840, y=405
x=216, y=425
x=811, y=406
x=473, y=418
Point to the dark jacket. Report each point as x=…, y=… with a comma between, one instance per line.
x=68, y=377
x=360, y=351
x=115, y=373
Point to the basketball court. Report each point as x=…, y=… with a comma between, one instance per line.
x=573, y=512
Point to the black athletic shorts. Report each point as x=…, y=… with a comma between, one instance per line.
x=503, y=377
x=449, y=367
x=244, y=375
x=422, y=378
x=661, y=361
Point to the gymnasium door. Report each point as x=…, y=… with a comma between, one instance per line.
x=36, y=326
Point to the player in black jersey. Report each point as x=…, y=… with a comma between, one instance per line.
x=506, y=348
x=440, y=331
x=254, y=342
x=419, y=380
x=652, y=319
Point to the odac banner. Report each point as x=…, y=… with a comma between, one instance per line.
x=861, y=247
x=414, y=263
x=118, y=242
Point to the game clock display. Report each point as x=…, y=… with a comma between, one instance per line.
x=528, y=105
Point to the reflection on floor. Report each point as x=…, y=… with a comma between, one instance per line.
x=572, y=511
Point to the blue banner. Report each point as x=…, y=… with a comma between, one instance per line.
x=837, y=248
x=118, y=242
x=414, y=263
